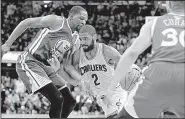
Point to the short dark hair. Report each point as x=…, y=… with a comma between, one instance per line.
x=76, y=10
x=88, y=29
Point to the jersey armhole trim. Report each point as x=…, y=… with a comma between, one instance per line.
x=153, y=26
x=75, y=33
x=103, y=53
x=58, y=28
x=78, y=62
x=80, y=57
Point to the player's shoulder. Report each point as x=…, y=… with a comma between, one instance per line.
x=54, y=18
x=148, y=27
x=55, y=22
x=110, y=52
x=108, y=49
x=157, y=18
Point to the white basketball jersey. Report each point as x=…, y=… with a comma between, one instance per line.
x=96, y=71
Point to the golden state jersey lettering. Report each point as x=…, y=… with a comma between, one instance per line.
x=94, y=67
x=168, y=38
x=172, y=37
x=60, y=47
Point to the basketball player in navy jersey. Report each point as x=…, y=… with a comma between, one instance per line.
x=54, y=40
x=93, y=67
x=162, y=89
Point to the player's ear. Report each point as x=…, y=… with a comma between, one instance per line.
x=95, y=36
x=71, y=17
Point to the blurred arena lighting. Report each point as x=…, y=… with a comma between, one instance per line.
x=10, y=57
x=47, y=2
x=45, y=6
x=9, y=64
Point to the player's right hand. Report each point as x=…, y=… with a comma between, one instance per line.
x=85, y=87
x=54, y=62
x=4, y=49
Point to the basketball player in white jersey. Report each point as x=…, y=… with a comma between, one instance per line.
x=95, y=63
x=162, y=89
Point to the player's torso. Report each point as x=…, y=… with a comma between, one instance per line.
x=96, y=71
x=168, y=39
x=46, y=42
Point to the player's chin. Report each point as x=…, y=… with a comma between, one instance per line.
x=79, y=27
x=85, y=49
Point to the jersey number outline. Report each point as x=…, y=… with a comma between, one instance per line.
x=95, y=77
x=171, y=33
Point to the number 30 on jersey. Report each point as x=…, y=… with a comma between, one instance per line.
x=173, y=37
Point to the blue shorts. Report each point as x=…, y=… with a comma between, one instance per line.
x=162, y=90
x=36, y=74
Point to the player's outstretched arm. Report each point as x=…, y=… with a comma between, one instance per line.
x=112, y=55
x=141, y=43
x=52, y=22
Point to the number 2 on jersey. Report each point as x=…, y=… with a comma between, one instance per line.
x=172, y=35
x=95, y=77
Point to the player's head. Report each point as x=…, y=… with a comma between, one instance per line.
x=175, y=6
x=88, y=36
x=77, y=17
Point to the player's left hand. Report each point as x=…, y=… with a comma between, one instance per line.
x=54, y=62
x=132, y=78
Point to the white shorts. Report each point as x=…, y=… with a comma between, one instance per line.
x=117, y=102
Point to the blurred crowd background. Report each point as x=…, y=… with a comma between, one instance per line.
x=117, y=24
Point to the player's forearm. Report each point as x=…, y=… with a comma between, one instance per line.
x=71, y=80
x=17, y=32
x=68, y=78
x=73, y=72
x=126, y=61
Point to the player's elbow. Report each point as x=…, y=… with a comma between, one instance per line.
x=27, y=22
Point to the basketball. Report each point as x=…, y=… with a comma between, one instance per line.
x=62, y=46
x=131, y=78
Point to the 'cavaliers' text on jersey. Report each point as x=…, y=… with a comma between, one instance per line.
x=96, y=71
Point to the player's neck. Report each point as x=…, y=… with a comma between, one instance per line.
x=92, y=53
x=71, y=26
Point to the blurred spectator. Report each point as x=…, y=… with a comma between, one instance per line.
x=36, y=9
x=11, y=8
